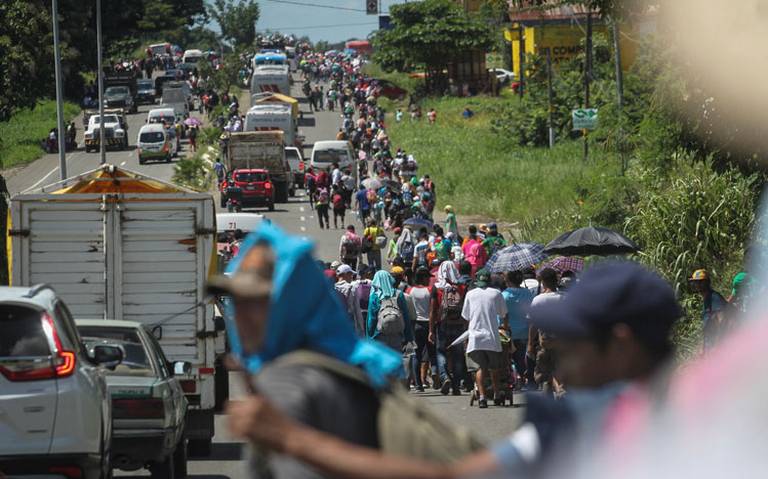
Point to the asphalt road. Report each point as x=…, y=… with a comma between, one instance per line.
x=295, y=217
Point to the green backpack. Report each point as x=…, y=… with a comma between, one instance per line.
x=407, y=427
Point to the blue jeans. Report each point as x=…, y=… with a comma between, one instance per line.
x=421, y=336
x=451, y=362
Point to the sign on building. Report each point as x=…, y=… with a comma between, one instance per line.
x=371, y=7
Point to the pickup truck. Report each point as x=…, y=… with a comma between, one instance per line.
x=115, y=132
x=119, y=245
x=262, y=150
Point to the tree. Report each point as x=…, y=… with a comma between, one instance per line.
x=429, y=34
x=237, y=20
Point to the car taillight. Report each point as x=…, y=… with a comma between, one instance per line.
x=70, y=472
x=267, y=186
x=59, y=365
x=149, y=408
x=188, y=385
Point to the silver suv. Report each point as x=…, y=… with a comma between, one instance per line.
x=55, y=411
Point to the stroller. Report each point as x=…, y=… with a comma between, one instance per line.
x=507, y=375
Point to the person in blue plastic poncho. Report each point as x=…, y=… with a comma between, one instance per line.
x=281, y=303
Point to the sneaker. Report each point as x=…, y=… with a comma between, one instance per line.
x=435, y=382
x=446, y=387
x=420, y=389
x=482, y=403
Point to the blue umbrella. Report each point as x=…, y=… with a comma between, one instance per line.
x=516, y=257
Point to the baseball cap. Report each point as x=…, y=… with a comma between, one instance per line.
x=482, y=278
x=335, y=265
x=492, y=226
x=397, y=270
x=611, y=293
x=699, y=275
x=344, y=269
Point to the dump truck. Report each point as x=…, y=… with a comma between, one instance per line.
x=264, y=150
x=115, y=244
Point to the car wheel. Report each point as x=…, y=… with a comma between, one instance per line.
x=142, y=161
x=180, y=458
x=271, y=206
x=163, y=470
x=199, y=447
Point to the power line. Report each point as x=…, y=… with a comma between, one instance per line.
x=317, y=5
x=322, y=26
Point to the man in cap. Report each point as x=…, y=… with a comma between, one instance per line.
x=345, y=275
x=714, y=308
x=613, y=333
x=451, y=225
x=483, y=306
x=493, y=241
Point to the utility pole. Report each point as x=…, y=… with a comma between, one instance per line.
x=550, y=96
x=587, y=78
x=521, y=59
x=619, y=94
x=100, y=73
x=60, y=136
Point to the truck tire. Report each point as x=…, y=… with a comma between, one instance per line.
x=180, y=458
x=221, y=387
x=200, y=447
x=164, y=469
x=281, y=192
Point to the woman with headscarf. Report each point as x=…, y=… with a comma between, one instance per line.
x=389, y=321
x=446, y=325
x=278, y=303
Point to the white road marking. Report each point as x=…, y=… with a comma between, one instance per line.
x=122, y=164
x=43, y=178
x=303, y=228
x=303, y=218
x=301, y=208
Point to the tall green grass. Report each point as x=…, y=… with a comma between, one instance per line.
x=480, y=172
x=20, y=136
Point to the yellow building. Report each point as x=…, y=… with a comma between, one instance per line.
x=561, y=30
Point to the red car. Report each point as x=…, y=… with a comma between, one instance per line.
x=254, y=185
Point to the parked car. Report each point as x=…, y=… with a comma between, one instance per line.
x=55, y=410
x=391, y=91
x=255, y=185
x=148, y=403
x=502, y=75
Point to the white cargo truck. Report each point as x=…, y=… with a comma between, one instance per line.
x=271, y=78
x=118, y=245
x=273, y=117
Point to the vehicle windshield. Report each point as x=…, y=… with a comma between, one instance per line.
x=136, y=361
x=251, y=177
x=116, y=90
x=168, y=119
x=292, y=155
x=107, y=119
x=21, y=332
x=330, y=156
x=152, y=137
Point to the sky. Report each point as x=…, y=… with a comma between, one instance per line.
x=331, y=24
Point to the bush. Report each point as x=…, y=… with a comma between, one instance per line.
x=21, y=135
x=193, y=172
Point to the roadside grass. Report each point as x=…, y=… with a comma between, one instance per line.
x=486, y=174
x=21, y=135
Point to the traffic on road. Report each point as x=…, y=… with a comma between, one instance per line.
x=255, y=280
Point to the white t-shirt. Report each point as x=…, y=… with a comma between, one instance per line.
x=482, y=308
x=532, y=285
x=544, y=298
x=422, y=297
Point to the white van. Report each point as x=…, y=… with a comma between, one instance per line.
x=326, y=153
x=193, y=56
x=156, y=143
x=160, y=115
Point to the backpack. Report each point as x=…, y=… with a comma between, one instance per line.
x=390, y=319
x=351, y=247
x=322, y=198
x=338, y=202
x=363, y=294
x=406, y=426
x=451, y=304
x=406, y=251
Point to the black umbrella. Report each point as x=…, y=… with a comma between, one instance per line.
x=591, y=241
